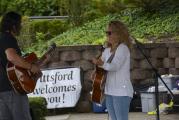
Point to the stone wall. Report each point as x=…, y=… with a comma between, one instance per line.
x=163, y=56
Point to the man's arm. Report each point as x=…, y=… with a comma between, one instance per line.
x=17, y=60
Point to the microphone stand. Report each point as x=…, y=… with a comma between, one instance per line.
x=156, y=76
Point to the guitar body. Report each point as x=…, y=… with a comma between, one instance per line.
x=98, y=85
x=22, y=80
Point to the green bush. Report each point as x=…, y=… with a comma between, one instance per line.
x=140, y=25
x=152, y=5
x=30, y=7
x=38, y=106
x=38, y=32
x=50, y=28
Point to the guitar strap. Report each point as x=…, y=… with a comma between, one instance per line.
x=111, y=57
x=105, y=76
x=110, y=60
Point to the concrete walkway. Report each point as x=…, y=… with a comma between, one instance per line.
x=104, y=116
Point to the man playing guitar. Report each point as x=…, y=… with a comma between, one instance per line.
x=13, y=106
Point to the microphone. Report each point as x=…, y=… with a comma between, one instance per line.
x=106, y=44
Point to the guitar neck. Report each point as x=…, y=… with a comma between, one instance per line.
x=101, y=51
x=40, y=61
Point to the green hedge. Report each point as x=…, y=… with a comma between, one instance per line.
x=38, y=32
x=38, y=107
x=141, y=26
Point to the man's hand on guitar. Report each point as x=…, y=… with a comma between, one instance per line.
x=35, y=69
x=97, y=61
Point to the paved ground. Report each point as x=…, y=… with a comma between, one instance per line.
x=104, y=116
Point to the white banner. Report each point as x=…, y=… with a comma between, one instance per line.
x=60, y=87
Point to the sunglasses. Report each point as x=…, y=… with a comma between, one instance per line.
x=108, y=33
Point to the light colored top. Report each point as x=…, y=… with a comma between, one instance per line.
x=118, y=76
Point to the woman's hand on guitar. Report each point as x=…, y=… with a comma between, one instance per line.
x=97, y=61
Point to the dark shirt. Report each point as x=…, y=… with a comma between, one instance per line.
x=6, y=41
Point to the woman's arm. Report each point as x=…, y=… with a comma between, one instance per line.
x=120, y=57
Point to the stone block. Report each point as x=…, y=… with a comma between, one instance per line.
x=84, y=64
x=147, y=82
x=87, y=74
x=55, y=57
x=174, y=71
x=87, y=85
x=134, y=64
x=159, y=53
x=136, y=82
x=90, y=54
x=168, y=63
x=70, y=56
x=162, y=71
x=173, y=52
x=156, y=63
x=136, y=54
x=177, y=62
x=144, y=64
x=141, y=74
x=58, y=64
x=84, y=107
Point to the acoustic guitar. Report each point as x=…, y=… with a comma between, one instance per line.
x=98, y=85
x=99, y=81
x=22, y=80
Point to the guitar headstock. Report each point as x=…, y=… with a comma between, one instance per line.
x=51, y=49
x=52, y=46
x=47, y=56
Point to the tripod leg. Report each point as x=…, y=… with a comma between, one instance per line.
x=157, y=97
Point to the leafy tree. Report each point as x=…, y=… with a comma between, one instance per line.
x=74, y=9
x=81, y=11
x=5, y=5
x=151, y=5
x=30, y=7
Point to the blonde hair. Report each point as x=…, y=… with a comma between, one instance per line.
x=122, y=32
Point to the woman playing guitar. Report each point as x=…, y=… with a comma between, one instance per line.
x=115, y=60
